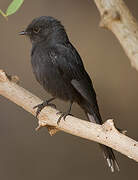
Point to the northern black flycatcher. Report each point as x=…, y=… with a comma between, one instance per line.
x=58, y=67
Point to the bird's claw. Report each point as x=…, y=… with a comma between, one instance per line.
x=39, y=108
x=43, y=105
x=63, y=115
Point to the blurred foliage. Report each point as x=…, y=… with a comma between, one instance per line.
x=12, y=8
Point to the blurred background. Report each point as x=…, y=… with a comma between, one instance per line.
x=26, y=154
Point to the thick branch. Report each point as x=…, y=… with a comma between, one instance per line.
x=117, y=18
x=105, y=134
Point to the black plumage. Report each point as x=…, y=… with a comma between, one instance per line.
x=58, y=67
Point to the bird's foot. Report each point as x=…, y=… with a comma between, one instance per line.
x=63, y=115
x=43, y=105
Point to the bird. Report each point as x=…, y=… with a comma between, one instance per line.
x=58, y=67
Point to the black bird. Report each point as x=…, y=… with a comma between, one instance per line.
x=58, y=67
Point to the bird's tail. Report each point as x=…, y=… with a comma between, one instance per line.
x=107, y=151
x=93, y=115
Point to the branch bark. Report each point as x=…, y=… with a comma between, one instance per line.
x=105, y=134
x=116, y=17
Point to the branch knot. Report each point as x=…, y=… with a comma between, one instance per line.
x=108, y=17
x=5, y=77
x=109, y=126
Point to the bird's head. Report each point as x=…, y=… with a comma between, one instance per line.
x=42, y=28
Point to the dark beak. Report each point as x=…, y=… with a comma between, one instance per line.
x=23, y=33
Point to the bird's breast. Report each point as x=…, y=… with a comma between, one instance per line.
x=49, y=76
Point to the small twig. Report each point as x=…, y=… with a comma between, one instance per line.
x=105, y=134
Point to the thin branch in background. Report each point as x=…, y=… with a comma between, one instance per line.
x=116, y=17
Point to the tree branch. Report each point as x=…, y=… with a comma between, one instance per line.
x=105, y=134
x=116, y=17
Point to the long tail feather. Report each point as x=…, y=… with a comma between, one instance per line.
x=107, y=151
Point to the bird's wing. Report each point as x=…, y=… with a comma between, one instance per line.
x=71, y=67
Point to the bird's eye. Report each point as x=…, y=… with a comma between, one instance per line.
x=36, y=29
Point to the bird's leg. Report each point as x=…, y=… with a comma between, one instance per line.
x=64, y=114
x=44, y=104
